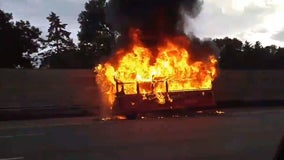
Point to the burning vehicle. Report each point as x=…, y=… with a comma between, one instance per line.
x=131, y=105
x=155, y=67
x=138, y=82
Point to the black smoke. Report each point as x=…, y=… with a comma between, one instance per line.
x=153, y=17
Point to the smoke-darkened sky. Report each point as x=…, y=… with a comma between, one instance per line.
x=245, y=19
x=155, y=19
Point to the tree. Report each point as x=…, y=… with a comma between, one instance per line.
x=5, y=21
x=29, y=38
x=17, y=41
x=257, y=45
x=247, y=48
x=272, y=49
x=230, y=52
x=61, y=51
x=234, y=43
x=96, y=37
x=58, y=38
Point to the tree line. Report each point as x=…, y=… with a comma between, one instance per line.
x=22, y=45
x=235, y=54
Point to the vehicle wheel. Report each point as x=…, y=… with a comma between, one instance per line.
x=131, y=116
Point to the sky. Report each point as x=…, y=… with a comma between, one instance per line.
x=251, y=20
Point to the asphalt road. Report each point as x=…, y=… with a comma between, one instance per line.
x=238, y=134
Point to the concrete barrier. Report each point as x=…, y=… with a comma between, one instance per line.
x=263, y=86
x=77, y=88
x=43, y=88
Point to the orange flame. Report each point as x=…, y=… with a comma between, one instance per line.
x=170, y=62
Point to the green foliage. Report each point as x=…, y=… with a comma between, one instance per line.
x=235, y=43
x=95, y=36
x=62, y=52
x=65, y=60
x=58, y=38
x=29, y=36
x=249, y=56
x=247, y=48
x=17, y=41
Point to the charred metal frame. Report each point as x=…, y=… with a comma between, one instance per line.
x=137, y=86
x=131, y=104
x=122, y=92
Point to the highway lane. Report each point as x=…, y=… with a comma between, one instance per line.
x=238, y=134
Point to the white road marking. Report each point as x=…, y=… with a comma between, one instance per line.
x=14, y=158
x=23, y=135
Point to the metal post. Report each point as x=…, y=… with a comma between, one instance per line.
x=122, y=88
x=167, y=87
x=137, y=88
x=116, y=86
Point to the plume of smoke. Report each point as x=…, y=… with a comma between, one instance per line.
x=156, y=19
